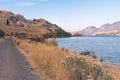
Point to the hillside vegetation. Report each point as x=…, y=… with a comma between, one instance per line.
x=52, y=63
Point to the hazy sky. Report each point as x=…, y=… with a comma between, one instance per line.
x=71, y=15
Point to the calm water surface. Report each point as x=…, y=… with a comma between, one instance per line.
x=107, y=48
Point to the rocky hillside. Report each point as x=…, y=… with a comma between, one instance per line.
x=16, y=25
x=104, y=30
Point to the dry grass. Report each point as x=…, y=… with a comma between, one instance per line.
x=1, y=39
x=52, y=63
x=29, y=31
x=45, y=58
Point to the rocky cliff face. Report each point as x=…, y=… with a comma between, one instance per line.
x=14, y=24
x=106, y=29
x=10, y=19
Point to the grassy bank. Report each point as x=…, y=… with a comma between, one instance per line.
x=52, y=63
x=1, y=39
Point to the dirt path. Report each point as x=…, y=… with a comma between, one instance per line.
x=13, y=65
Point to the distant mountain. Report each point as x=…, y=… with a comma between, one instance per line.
x=106, y=29
x=15, y=24
x=88, y=30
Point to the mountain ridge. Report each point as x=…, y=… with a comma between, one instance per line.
x=104, y=30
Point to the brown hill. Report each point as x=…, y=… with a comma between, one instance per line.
x=15, y=25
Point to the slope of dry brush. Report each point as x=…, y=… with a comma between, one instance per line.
x=52, y=63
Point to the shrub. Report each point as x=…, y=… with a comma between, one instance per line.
x=83, y=69
x=89, y=53
x=51, y=42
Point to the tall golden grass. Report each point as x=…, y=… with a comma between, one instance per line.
x=45, y=58
x=1, y=39
x=52, y=63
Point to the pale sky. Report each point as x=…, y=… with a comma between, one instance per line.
x=71, y=15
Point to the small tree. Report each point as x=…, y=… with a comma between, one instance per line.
x=7, y=22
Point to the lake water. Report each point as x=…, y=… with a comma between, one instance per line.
x=107, y=48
